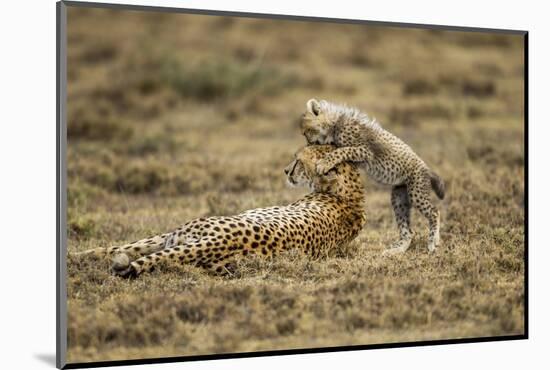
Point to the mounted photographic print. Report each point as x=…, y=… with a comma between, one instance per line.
x=234, y=184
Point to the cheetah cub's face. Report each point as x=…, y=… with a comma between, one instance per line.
x=301, y=171
x=316, y=126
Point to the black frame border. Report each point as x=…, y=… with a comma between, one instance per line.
x=61, y=173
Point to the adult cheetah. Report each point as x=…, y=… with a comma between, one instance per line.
x=386, y=159
x=328, y=217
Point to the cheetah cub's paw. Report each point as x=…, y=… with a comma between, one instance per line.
x=323, y=166
x=432, y=245
x=398, y=247
x=393, y=251
x=437, y=239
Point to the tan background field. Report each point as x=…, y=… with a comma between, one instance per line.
x=173, y=117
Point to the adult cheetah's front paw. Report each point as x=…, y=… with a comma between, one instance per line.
x=129, y=273
x=323, y=166
x=122, y=267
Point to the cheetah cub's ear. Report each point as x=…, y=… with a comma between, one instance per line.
x=313, y=107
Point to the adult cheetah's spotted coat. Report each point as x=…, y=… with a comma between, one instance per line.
x=332, y=215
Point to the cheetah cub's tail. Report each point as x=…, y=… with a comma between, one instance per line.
x=437, y=185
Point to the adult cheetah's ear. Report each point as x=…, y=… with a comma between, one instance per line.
x=325, y=182
x=313, y=107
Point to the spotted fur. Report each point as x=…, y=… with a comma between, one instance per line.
x=330, y=216
x=386, y=159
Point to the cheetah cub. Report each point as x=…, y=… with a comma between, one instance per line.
x=385, y=158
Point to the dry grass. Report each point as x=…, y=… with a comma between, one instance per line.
x=173, y=117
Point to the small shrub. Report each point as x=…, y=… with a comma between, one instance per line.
x=475, y=112
x=94, y=173
x=98, y=52
x=360, y=58
x=479, y=89
x=218, y=80
x=419, y=87
x=81, y=227
x=478, y=39
x=413, y=115
x=189, y=312
x=151, y=144
x=91, y=125
x=286, y=327
x=141, y=178
x=80, y=193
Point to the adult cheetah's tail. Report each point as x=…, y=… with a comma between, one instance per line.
x=437, y=185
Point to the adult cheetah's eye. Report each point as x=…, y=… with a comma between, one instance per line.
x=291, y=171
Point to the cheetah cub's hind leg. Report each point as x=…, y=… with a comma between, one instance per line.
x=419, y=193
x=402, y=210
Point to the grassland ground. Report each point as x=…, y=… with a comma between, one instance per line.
x=173, y=117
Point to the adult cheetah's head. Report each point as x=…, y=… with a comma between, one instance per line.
x=316, y=124
x=301, y=171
